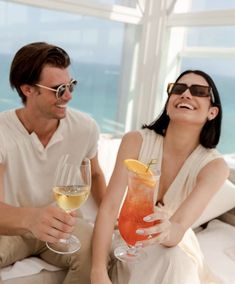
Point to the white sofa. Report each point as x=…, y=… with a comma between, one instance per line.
x=217, y=240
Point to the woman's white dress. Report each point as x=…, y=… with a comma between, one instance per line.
x=183, y=264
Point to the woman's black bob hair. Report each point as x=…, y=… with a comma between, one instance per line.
x=210, y=133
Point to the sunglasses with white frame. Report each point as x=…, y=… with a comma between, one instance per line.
x=60, y=90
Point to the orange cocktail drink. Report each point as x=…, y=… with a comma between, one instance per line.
x=138, y=203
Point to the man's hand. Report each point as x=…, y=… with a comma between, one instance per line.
x=51, y=223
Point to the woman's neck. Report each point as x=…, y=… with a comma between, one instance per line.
x=181, y=140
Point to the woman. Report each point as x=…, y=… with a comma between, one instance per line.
x=182, y=139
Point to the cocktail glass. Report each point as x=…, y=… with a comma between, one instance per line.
x=138, y=203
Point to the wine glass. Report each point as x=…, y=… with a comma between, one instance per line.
x=138, y=203
x=71, y=189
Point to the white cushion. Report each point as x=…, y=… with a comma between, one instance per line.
x=230, y=159
x=223, y=201
x=217, y=242
x=107, y=149
x=107, y=152
x=27, y=267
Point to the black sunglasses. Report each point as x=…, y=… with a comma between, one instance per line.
x=195, y=90
x=60, y=90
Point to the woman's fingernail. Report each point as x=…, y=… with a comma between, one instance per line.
x=140, y=232
x=147, y=218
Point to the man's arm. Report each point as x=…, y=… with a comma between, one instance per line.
x=11, y=222
x=46, y=223
x=98, y=187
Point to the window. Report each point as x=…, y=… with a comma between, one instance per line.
x=123, y=56
x=202, y=5
x=98, y=49
x=222, y=72
x=199, y=41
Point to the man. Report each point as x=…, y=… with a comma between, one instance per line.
x=32, y=140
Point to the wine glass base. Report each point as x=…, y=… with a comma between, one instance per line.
x=67, y=246
x=130, y=255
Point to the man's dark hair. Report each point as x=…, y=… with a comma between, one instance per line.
x=29, y=61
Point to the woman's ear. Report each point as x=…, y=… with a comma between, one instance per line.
x=213, y=111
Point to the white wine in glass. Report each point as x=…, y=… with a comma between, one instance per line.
x=71, y=189
x=72, y=196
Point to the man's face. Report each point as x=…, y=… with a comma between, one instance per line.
x=45, y=102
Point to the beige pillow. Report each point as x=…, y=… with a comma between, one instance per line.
x=230, y=159
x=223, y=201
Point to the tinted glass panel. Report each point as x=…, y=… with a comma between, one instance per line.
x=211, y=36
x=222, y=72
x=184, y=6
x=96, y=47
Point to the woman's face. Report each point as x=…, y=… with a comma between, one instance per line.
x=186, y=108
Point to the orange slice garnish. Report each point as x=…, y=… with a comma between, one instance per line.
x=143, y=172
x=137, y=167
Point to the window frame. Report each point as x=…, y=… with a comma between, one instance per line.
x=104, y=11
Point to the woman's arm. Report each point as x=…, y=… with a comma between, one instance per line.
x=209, y=181
x=108, y=211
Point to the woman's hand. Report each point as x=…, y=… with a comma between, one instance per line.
x=157, y=233
x=165, y=231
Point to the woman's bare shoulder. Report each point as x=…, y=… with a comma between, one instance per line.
x=131, y=144
x=132, y=136
x=216, y=169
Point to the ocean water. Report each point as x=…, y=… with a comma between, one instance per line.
x=97, y=94
x=94, y=39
